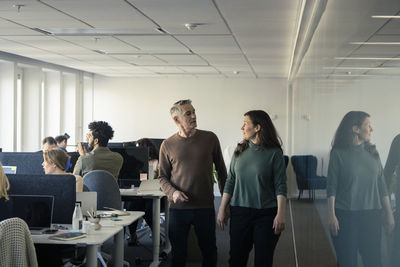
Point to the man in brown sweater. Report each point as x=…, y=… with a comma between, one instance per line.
x=186, y=166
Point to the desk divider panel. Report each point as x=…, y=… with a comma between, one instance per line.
x=26, y=162
x=62, y=187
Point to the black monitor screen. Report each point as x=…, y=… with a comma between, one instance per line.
x=136, y=161
x=35, y=210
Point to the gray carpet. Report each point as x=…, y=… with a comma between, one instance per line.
x=312, y=243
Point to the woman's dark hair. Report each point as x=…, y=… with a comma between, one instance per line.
x=153, y=151
x=267, y=135
x=344, y=136
x=102, y=131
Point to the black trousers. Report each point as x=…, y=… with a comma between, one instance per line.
x=204, y=223
x=395, y=254
x=250, y=227
x=359, y=232
x=140, y=204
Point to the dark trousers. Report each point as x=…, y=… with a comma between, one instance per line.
x=140, y=204
x=359, y=231
x=204, y=223
x=250, y=226
x=395, y=253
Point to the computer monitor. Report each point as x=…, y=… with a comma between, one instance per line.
x=136, y=161
x=35, y=210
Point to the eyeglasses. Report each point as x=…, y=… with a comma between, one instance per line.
x=183, y=102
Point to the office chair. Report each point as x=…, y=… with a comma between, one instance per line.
x=108, y=196
x=305, y=167
x=16, y=245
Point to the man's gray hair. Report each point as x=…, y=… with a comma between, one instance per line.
x=176, y=109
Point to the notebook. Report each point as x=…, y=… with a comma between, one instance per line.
x=88, y=202
x=35, y=210
x=10, y=169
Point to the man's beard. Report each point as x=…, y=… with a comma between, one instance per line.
x=91, y=145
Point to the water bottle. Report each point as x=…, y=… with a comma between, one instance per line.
x=77, y=218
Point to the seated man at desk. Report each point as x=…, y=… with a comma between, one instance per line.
x=100, y=156
x=48, y=143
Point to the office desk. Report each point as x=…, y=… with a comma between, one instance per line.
x=128, y=194
x=96, y=238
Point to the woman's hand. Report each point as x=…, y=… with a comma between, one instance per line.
x=279, y=223
x=223, y=217
x=333, y=225
x=389, y=222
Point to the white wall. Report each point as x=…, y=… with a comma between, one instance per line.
x=138, y=108
x=326, y=107
x=7, y=107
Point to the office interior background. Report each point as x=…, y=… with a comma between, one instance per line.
x=307, y=63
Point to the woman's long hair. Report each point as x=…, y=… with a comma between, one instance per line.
x=153, y=151
x=56, y=156
x=344, y=136
x=4, y=184
x=267, y=135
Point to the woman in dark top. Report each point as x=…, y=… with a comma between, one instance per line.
x=392, y=165
x=357, y=194
x=256, y=190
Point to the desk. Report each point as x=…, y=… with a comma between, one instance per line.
x=128, y=194
x=96, y=238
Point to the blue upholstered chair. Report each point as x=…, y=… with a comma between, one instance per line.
x=108, y=195
x=286, y=158
x=305, y=167
x=107, y=189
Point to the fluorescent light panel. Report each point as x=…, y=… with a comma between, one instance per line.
x=370, y=58
x=375, y=43
x=357, y=68
x=386, y=17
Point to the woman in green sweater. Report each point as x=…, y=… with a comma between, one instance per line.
x=256, y=190
x=357, y=194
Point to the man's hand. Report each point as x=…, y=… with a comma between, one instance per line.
x=81, y=149
x=179, y=196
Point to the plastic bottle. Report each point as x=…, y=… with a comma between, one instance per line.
x=77, y=218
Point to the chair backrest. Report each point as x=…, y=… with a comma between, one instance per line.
x=26, y=162
x=104, y=183
x=16, y=245
x=62, y=187
x=305, y=166
x=286, y=158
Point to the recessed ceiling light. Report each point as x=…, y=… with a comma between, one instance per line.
x=370, y=58
x=375, y=43
x=386, y=17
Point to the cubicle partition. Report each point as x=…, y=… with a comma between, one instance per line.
x=26, y=162
x=62, y=187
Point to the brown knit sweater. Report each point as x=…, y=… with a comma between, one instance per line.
x=186, y=165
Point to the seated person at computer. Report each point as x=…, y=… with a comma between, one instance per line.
x=62, y=141
x=153, y=156
x=100, y=156
x=4, y=184
x=54, y=163
x=48, y=143
x=142, y=204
